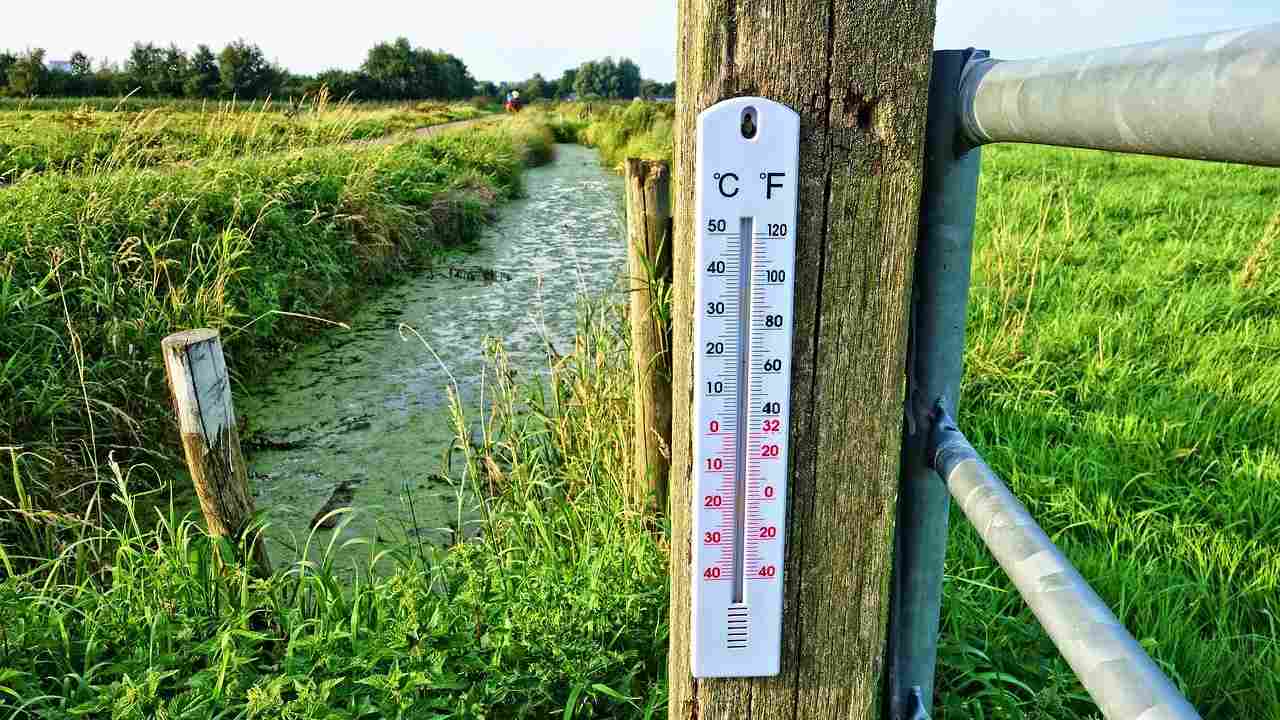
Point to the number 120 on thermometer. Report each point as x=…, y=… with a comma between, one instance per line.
x=747, y=151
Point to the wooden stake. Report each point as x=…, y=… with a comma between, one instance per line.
x=648, y=186
x=201, y=392
x=858, y=75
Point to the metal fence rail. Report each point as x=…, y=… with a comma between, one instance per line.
x=1119, y=675
x=1208, y=97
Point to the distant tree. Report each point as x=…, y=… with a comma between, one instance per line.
x=28, y=75
x=145, y=68
x=81, y=64
x=534, y=88
x=394, y=70
x=244, y=71
x=456, y=79
x=608, y=83
x=111, y=80
x=628, y=79
x=57, y=83
x=487, y=89
x=202, y=78
x=173, y=72
x=401, y=72
x=587, y=80
x=564, y=86
x=391, y=67
x=342, y=84
x=79, y=81
x=608, y=78
x=653, y=89
x=7, y=61
x=441, y=78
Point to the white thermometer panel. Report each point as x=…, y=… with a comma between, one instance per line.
x=747, y=166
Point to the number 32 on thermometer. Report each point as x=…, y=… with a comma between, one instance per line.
x=747, y=150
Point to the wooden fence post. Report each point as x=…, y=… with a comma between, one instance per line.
x=201, y=392
x=648, y=186
x=857, y=72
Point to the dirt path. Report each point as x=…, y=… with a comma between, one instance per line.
x=437, y=129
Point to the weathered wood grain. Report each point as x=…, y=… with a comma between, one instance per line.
x=648, y=185
x=201, y=392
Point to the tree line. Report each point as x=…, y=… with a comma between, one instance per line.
x=391, y=71
x=603, y=79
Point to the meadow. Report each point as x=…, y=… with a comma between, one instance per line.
x=87, y=136
x=1123, y=328
x=1122, y=377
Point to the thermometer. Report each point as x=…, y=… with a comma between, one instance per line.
x=747, y=166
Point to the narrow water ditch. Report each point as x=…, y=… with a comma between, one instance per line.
x=361, y=417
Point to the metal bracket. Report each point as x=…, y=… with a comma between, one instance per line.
x=977, y=63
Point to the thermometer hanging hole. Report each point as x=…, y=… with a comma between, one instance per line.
x=749, y=125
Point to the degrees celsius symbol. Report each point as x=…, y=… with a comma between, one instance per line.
x=747, y=163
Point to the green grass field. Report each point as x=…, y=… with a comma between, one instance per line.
x=1121, y=375
x=93, y=137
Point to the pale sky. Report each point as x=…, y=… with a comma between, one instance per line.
x=510, y=40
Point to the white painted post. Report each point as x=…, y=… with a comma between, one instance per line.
x=201, y=392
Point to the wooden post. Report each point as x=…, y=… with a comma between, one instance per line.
x=201, y=392
x=649, y=268
x=857, y=72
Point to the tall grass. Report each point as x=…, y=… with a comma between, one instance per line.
x=95, y=270
x=618, y=130
x=558, y=607
x=87, y=139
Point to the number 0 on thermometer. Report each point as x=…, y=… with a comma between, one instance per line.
x=747, y=150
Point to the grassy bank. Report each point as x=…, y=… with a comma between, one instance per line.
x=95, y=270
x=558, y=608
x=617, y=130
x=86, y=139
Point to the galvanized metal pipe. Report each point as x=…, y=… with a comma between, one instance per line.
x=1115, y=670
x=935, y=356
x=1208, y=97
